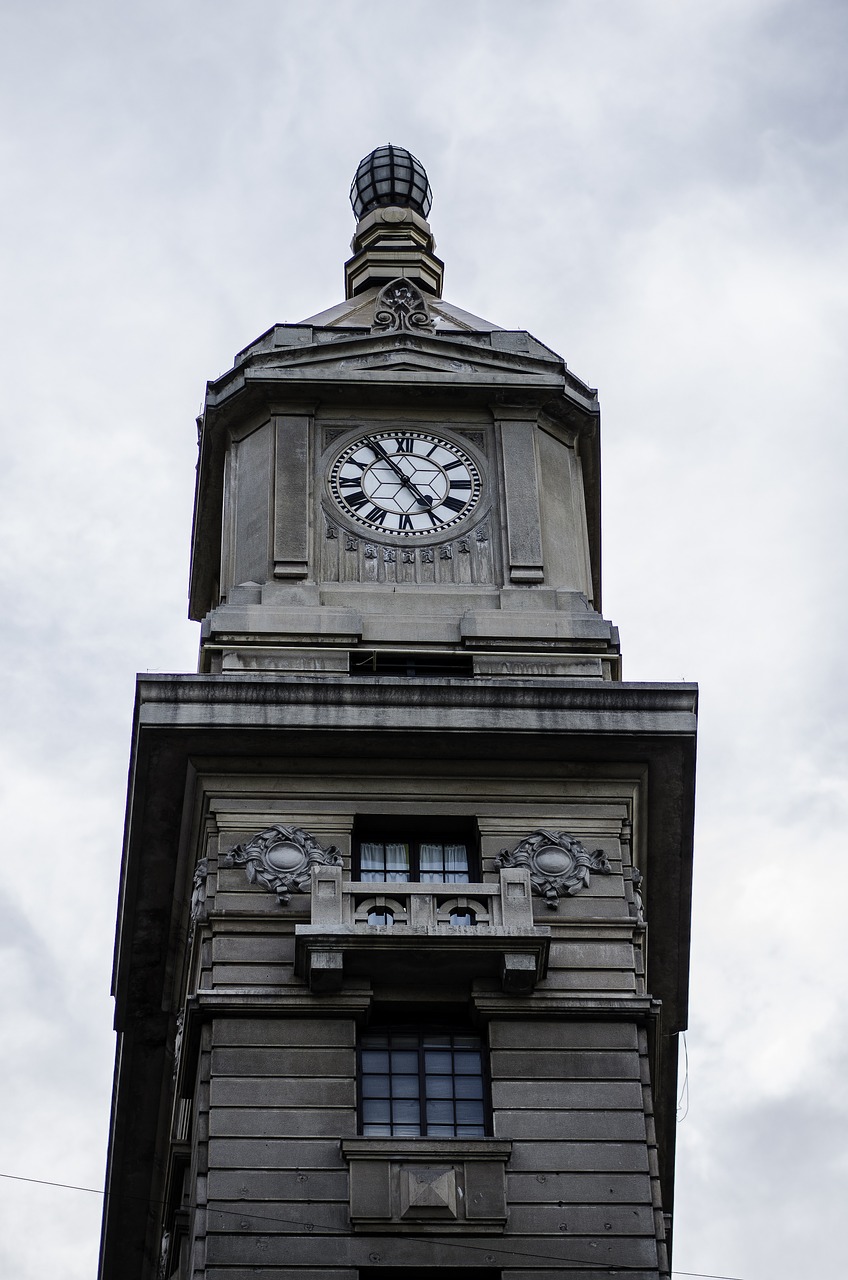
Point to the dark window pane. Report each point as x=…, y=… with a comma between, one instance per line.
x=405, y=1111
x=373, y=1061
x=442, y=1113
x=439, y=1086
x=467, y=1063
x=436, y=1062
x=375, y=1109
x=375, y=1086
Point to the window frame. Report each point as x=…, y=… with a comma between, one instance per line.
x=421, y=1032
x=415, y=831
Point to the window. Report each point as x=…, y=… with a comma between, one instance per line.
x=419, y=665
x=405, y=849
x=415, y=1083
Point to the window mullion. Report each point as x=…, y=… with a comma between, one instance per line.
x=422, y=1088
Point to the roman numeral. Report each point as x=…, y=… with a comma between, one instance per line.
x=376, y=515
x=356, y=499
x=349, y=482
x=460, y=484
x=453, y=504
x=406, y=444
x=404, y=522
x=450, y=466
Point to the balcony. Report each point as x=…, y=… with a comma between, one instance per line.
x=442, y=933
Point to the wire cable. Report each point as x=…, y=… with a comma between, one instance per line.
x=611, y=1268
x=684, y=1092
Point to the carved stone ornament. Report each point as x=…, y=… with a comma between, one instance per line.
x=178, y=1041
x=559, y=865
x=164, y=1251
x=400, y=308
x=281, y=860
x=198, y=890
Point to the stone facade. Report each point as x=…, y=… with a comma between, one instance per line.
x=258, y=960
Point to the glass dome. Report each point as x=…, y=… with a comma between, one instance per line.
x=390, y=175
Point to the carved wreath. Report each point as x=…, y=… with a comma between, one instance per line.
x=281, y=860
x=559, y=865
x=401, y=307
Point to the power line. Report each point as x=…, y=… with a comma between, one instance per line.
x=609, y=1267
x=42, y=1182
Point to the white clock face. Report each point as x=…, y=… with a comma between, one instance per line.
x=405, y=483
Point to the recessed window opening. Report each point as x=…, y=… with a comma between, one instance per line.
x=403, y=850
x=381, y=916
x=421, y=665
x=462, y=918
x=415, y=1083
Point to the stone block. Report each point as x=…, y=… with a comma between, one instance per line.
x=277, y=1185
x=274, y=1153
x=254, y=1061
x=296, y=1091
x=571, y=1034
x=597, y=1221
x=551, y=1157
x=571, y=1126
x=578, y=1188
x=282, y=1122
x=546, y=1064
x=304, y=1033
x=541, y=1095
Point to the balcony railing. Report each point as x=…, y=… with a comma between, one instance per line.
x=435, y=932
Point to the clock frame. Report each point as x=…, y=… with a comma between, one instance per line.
x=405, y=483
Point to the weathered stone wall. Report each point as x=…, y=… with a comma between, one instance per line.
x=275, y=1092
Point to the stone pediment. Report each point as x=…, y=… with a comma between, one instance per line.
x=415, y=353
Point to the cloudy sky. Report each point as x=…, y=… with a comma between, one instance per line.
x=654, y=188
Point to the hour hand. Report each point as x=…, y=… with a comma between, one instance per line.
x=424, y=499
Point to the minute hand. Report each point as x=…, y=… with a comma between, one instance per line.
x=423, y=498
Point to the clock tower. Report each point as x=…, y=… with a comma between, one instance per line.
x=402, y=943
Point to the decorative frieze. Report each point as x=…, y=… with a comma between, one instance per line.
x=346, y=557
x=558, y=864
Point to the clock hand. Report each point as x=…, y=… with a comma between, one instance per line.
x=423, y=498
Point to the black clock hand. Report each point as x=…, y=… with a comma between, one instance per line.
x=423, y=498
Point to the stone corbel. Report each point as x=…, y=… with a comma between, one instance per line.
x=558, y=864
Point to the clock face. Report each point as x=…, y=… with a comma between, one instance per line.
x=405, y=483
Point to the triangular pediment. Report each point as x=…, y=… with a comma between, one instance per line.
x=418, y=355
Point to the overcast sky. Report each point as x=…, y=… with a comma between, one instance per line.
x=654, y=188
